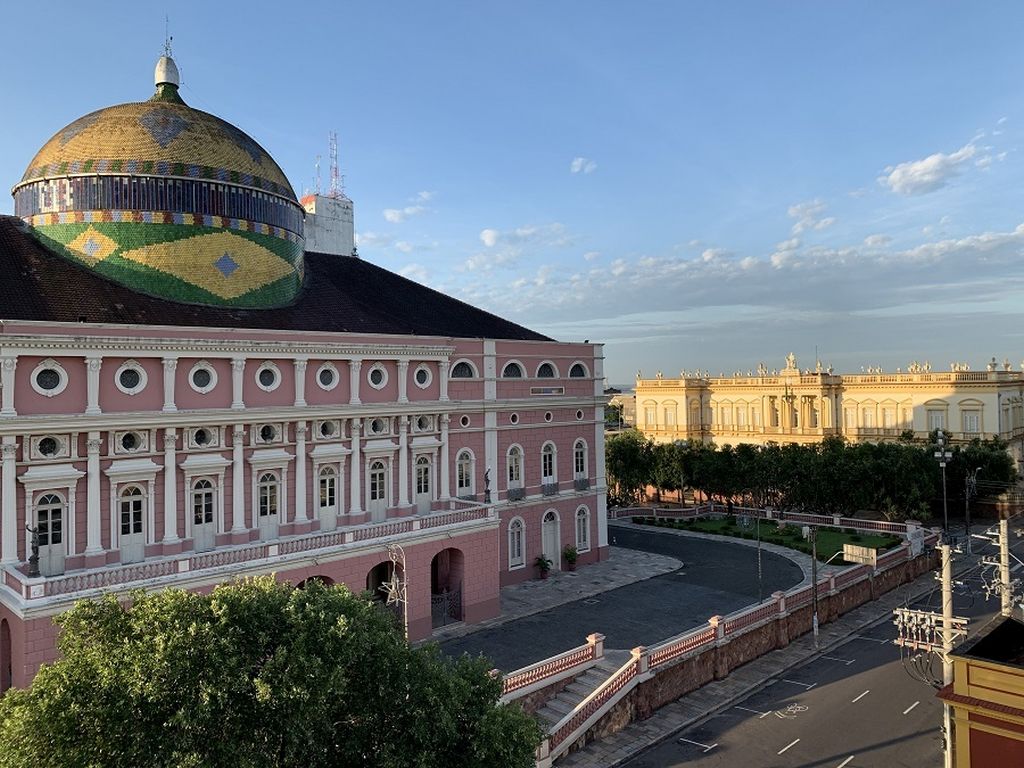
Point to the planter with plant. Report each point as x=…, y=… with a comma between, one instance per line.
x=543, y=565
x=570, y=554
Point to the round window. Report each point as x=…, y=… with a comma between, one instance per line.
x=48, y=446
x=201, y=437
x=579, y=415
x=423, y=423
x=377, y=377
x=514, y=418
x=326, y=377
x=422, y=376
x=129, y=378
x=464, y=421
x=48, y=379
x=202, y=378
x=267, y=433
x=377, y=426
x=327, y=428
x=268, y=377
x=547, y=416
x=129, y=441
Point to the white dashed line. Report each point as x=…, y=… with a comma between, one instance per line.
x=757, y=712
x=808, y=686
x=705, y=746
x=847, y=662
x=872, y=639
x=845, y=762
x=905, y=711
x=861, y=696
x=787, y=746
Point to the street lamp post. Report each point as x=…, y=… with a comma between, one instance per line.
x=943, y=455
x=969, y=490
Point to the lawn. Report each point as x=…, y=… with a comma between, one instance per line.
x=830, y=540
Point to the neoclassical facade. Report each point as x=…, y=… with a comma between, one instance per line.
x=188, y=394
x=803, y=406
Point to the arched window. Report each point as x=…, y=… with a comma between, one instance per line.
x=512, y=371
x=464, y=474
x=50, y=519
x=546, y=371
x=516, y=544
x=328, y=487
x=422, y=475
x=582, y=529
x=131, y=510
x=268, y=491
x=462, y=370
x=578, y=371
x=579, y=459
x=202, y=502
x=378, y=487
x=515, y=467
x=547, y=463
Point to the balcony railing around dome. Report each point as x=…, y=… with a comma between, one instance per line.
x=171, y=567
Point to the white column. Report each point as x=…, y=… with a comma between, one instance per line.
x=403, y=461
x=237, y=370
x=445, y=493
x=93, y=542
x=443, y=370
x=354, y=366
x=170, y=487
x=300, y=469
x=300, y=381
x=7, y=366
x=238, y=479
x=92, y=384
x=355, y=487
x=9, y=502
x=170, y=366
x=403, y=381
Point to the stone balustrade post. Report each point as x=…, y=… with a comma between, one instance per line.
x=596, y=639
x=642, y=659
x=780, y=599
x=718, y=624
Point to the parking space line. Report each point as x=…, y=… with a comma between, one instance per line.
x=871, y=639
x=845, y=762
x=847, y=662
x=705, y=746
x=757, y=712
x=861, y=696
x=787, y=746
x=808, y=686
x=905, y=711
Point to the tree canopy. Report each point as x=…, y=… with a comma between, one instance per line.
x=255, y=674
x=898, y=479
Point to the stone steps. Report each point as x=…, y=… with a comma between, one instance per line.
x=584, y=685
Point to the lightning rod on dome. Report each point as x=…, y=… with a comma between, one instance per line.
x=337, y=183
x=167, y=36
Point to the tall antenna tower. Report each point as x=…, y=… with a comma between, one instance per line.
x=337, y=184
x=317, y=186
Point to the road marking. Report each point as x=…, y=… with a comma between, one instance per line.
x=706, y=747
x=905, y=711
x=847, y=662
x=808, y=686
x=861, y=696
x=755, y=711
x=845, y=762
x=787, y=746
x=872, y=639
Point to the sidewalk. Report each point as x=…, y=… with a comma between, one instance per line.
x=743, y=681
x=623, y=566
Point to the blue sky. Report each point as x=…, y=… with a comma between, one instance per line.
x=698, y=185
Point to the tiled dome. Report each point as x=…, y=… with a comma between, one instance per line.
x=168, y=200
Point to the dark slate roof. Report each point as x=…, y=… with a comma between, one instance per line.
x=1001, y=641
x=340, y=294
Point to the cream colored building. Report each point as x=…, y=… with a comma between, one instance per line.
x=794, y=406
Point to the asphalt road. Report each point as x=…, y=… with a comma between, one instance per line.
x=716, y=578
x=854, y=707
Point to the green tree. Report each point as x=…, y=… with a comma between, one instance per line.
x=256, y=674
x=629, y=462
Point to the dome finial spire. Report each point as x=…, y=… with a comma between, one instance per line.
x=166, y=72
x=167, y=36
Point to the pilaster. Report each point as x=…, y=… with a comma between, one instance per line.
x=92, y=385
x=9, y=502
x=170, y=366
x=93, y=530
x=7, y=366
x=170, y=488
x=354, y=367
x=300, y=364
x=237, y=372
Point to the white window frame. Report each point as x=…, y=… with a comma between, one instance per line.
x=547, y=479
x=465, y=458
x=384, y=376
x=268, y=365
x=580, y=474
x=521, y=456
x=131, y=365
x=328, y=366
x=586, y=370
x=61, y=373
x=429, y=372
x=202, y=365
x=514, y=564
x=554, y=370
x=472, y=368
x=262, y=461
x=582, y=541
x=209, y=466
x=522, y=370
x=63, y=447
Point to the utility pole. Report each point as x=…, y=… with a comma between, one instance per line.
x=1006, y=602
x=814, y=582
x=947, y=645
x=760, y=586
x=943, y=456
x=971, y=484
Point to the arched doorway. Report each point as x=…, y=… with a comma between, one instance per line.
x=446, y=572
x=327, y=581
x=551, y=539
x=6, y=664
x=382, y=585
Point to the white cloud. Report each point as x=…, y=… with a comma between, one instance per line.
x=507, y=247
x=403, y=246
x=424, y=197
x=877, y=241
x=591, y=255
x=809, y=216
x=489, y=237
x=582, y=165
x=398, y=215
x=918, y=177
x=373, y=240
x=414, y=272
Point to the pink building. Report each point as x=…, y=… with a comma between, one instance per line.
x=187, y=394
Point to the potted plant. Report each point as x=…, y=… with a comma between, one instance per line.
x=543, y=564
x=570, y=554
